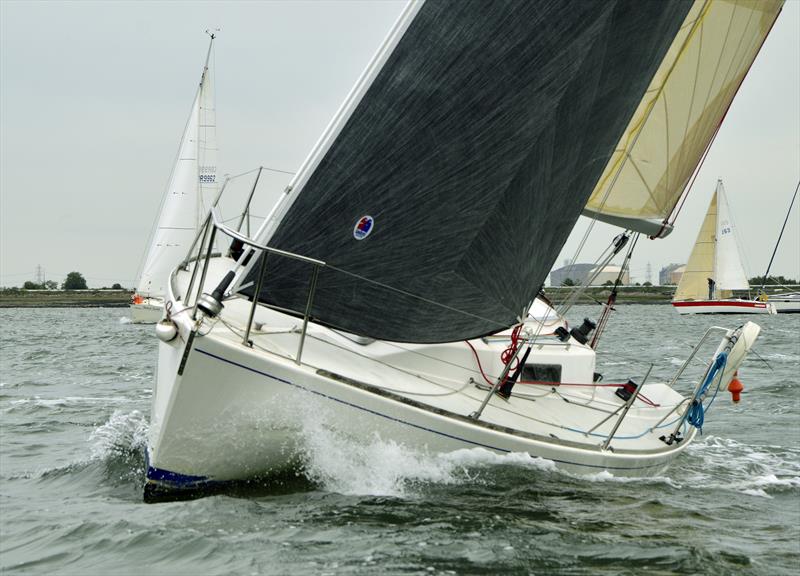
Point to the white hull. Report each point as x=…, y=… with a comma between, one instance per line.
x=149, y=311
x=731, y=306
x=236, y=415
x=224, y=411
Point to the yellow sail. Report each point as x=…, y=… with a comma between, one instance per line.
x=680, y=113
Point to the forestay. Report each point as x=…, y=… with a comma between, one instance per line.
x=442, y=194
x=680, y=113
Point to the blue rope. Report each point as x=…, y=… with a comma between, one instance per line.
x=696, y=414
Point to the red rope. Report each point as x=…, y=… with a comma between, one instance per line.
x=509, y=352
x=543, y=383
x=478, y=360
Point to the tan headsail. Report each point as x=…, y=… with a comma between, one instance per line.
x=680, y=113
x=694, y=282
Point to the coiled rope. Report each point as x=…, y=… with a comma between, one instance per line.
x=696, y=412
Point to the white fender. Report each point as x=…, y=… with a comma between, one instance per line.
x=743, y=339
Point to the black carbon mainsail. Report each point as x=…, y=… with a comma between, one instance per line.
x=444, y=200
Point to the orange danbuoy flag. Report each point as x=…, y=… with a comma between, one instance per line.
x=735, y=387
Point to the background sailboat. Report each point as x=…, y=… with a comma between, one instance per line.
x=715, y=268
x=192, y=187
x=784, y=302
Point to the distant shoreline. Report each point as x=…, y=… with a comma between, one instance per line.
x=122, y=298
x=625, y=295
x=65, y=298
x=18, y=298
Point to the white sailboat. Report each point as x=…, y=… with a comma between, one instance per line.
x=393, y=289
x=785, y=302
x=715, y=268
x=192, y=186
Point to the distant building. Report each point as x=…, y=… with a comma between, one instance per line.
x=578, y=273
x=610, y=274
x=671, y=274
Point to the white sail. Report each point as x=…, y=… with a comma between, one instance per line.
x=729, y=271
x=191, y=188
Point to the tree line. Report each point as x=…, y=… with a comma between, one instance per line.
x=571, y=282
x=755, y=281
x=73, y=281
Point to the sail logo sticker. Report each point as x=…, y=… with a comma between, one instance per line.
x=363, y=227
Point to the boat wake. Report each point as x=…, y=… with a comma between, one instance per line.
x=606, y=476
x=382, y=467
x=723, y=464
x=372, y=466
x=729, y=465
x=123, y=433
x=117, y=451
x=377, y=466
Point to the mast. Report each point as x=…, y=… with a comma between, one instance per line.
x=785, y=220
x=206, y=124
x=720, y=194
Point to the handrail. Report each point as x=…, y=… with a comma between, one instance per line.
x=628, y=403
x=260, y=281
x=245, y=240
x=699, y=392
x=212, y=235
x=694, y=353
x=213, y=223
x=204, y=233
x=246, y=211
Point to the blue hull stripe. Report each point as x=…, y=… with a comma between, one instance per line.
x=167, y=477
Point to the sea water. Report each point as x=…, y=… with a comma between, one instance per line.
x=75, y=392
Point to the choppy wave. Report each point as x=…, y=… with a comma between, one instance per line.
x=384, y=467
x=40, y=402
x=122, y=433
x=728, y=465
x=73, y=451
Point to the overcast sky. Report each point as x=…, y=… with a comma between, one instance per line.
x=94, y=96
